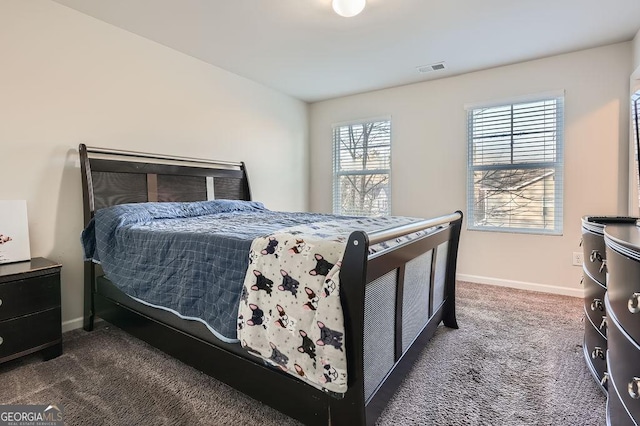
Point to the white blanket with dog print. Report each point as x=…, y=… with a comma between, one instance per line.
x=290, y=313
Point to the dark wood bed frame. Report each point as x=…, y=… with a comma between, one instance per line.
x=111, y=177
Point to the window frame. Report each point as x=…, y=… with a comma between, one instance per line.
x=557, y=165
x=336, y=199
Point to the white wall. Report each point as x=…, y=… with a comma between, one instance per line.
x=429, y=156
x=636, y=53
x=66, y=78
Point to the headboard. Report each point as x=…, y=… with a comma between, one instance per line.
x=111, y=177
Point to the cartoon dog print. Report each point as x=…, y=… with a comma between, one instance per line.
x=299, y=247
x=322, y=266
x=240, y=322
x=244, y=296
x=331, y=375
x=299, y=370
x=253, y=256
x=257, y=317
x=312, y=304
x=271, y=247
x=328, y=288
x=284, y=321
x=5, y=239
x=308, y=347
x=328, y=373
x=278, y=357
x=329, y=337
x=262, y=283
x=250, y=349
x=288, y=284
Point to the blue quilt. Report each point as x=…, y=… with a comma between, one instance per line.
x=192, y=258
x=189, y=257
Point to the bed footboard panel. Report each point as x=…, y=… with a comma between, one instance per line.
x=408, y=292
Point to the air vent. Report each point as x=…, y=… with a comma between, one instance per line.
x=423, y=69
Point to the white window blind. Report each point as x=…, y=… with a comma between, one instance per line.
x=515, y=166
x=362, y=168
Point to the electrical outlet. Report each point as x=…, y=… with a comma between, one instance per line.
x=577, y=258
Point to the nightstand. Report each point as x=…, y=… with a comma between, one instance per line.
x=30, y=317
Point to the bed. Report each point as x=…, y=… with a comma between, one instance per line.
x=392, y=299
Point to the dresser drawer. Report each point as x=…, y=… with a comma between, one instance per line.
x=29, y=295
x=595, y=350
x=594, y=253
x=624, y=291
x=594, y=302
x=624, y=364
x=30, y=332
x=616, y=413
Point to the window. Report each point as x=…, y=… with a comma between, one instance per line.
x=515, y=166
x=361, y=168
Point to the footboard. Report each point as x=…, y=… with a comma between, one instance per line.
x=392, y=305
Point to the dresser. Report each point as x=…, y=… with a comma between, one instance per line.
x=595, y=286
x=622, y=305
x=30, y=317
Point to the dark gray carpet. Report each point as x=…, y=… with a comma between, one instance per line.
x=516, y=360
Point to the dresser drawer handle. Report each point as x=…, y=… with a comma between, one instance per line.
x=0, y=302
x=582, y=280
x=634, y=303
x=595, y=255
x=603, y=324
x=634, y=388
x=597, y=353
x=1, y=340
x=597, y=304
x=605, y=378
x=604, y=265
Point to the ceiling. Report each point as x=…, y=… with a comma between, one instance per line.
x=303, y=49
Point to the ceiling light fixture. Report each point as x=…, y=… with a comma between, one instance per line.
x=348, y=8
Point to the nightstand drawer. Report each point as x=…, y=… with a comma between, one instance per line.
x=21, y=297
x=29, y=332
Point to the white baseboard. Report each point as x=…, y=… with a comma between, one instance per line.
x=544, y=288
x=71, y=324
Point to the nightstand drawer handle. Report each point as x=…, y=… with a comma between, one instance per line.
x=1, y=340
x=634, y=388
x=634, y=303
x=605, y=378
x=597, y=304
x=597, y=353
x=0, y=302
